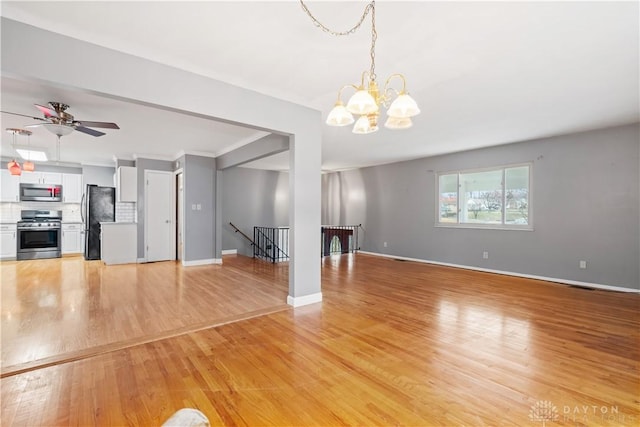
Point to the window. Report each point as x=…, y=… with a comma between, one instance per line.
x=489, y=198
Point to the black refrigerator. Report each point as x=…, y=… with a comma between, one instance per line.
x=98, y=205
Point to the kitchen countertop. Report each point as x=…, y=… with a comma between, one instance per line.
x=117, y=223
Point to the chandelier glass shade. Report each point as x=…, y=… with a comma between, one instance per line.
x=28, y=166
x=368, y=99
x=58, y=129
x=14, y=167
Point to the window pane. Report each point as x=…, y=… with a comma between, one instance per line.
x=481, y=197
x=517, y=195
x=448, y=185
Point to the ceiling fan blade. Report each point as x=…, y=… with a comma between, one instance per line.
x=24, y=115
x=89, y=131
x=97, y=124
x=48, y=112
x=34, y=125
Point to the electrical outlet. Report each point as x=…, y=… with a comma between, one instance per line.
x=485, y=255
x=583, y=265
x=385, y=244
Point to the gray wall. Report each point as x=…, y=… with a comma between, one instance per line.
x=585, y=200
x=252, y=197
x=199, y=225
x=98, y=175
x=142, y=165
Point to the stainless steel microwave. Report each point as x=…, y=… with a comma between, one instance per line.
x=40, y=193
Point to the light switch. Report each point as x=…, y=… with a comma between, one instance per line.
x=199, y=207
x=193, y=207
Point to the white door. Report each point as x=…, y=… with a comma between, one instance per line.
x=180, y=200
x=159, y=216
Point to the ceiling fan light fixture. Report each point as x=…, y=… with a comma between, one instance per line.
x=57, y=129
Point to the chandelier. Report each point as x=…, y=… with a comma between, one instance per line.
x=13, y=166
x=368, y=99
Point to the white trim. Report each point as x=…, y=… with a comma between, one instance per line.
x=511, y=273
x=141, y=260
x=196, y=262
x=229, y=252
x=304, y=300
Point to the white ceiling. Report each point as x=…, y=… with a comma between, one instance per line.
x=483, y=73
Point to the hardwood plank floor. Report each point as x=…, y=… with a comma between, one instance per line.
x=64, y=309
x=392, y=343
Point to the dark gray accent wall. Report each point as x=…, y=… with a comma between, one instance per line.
x=199, y=225
x=251, y=198
x=585, y=198
x=142, y=165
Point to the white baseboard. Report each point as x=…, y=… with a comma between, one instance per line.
x=510, y=273
x=229, y=252
x=304, y=300
x=196, y=262
x=141, y=260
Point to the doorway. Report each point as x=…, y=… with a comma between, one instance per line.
x=160, y=236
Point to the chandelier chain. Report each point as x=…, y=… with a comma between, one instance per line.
x=374, y=37
x=370, y=7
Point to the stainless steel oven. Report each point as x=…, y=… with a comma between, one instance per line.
x=39, y=235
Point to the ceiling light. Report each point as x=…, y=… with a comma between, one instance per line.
x=37, y=155
x=368, y=98
x=13, y=166
x=398, y=123
x=28, y=166
x=57, y=129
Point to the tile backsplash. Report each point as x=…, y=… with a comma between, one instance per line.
x=126, y=212
x=10, y=212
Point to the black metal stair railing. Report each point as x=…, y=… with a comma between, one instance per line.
x=271, y=243
x=253, y=244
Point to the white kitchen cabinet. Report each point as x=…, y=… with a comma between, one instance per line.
x=8, y=241
x=41, y=178
x=127, y=184
x=71, y=187
x=72, y=239
x=10, y=191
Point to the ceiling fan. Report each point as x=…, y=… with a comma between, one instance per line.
x=59, y=122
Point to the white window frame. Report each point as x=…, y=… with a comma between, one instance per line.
x=503, y=226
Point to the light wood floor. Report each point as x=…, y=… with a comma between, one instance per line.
x=393, y=343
